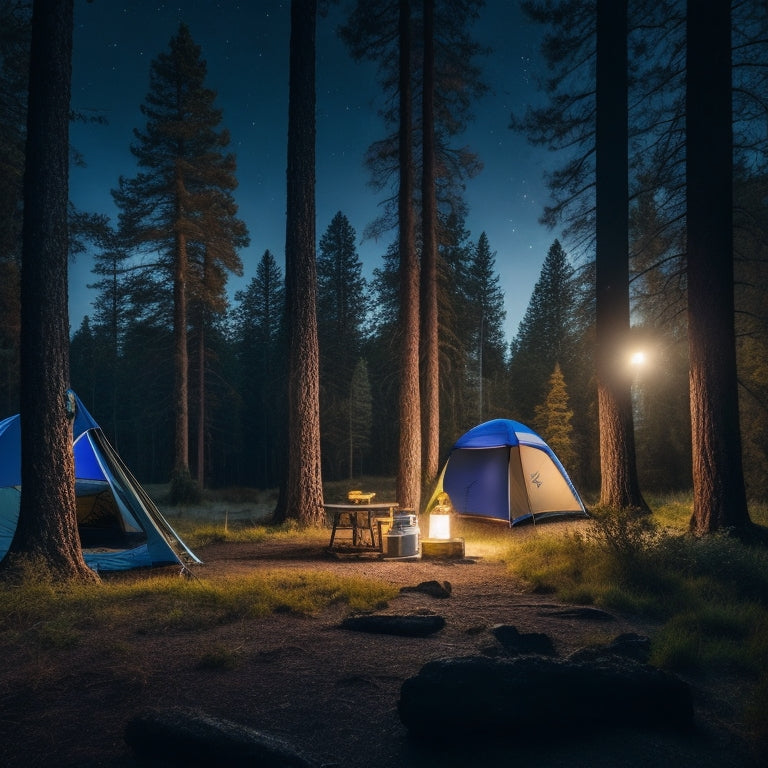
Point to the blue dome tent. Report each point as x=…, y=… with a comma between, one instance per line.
x=502, y=470
x=119, y=525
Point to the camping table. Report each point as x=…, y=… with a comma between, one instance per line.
x=352, y=512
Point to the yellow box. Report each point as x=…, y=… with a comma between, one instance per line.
x=442, y=548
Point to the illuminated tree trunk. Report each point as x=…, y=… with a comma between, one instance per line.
x=47, y=525
x=619, y=484
x=429, y=328
x=304, y=488
x=409, y=464
x=719, y=498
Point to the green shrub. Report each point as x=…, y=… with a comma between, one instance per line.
x=624, y=535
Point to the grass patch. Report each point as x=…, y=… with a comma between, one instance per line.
x=219, y=658
x=60, y=618
x=758, y=512
x=672, y=511
x=198, y=534
x=708, y=594
x=551, y=564
x=713, y=636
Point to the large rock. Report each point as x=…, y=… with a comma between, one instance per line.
x=187, y=737
x=389, y=624
x=629, y=645
x=479, y=695
x=431, y=588
x=516, y=643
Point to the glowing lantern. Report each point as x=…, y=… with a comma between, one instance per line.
x=439, y=526
x=440, y=519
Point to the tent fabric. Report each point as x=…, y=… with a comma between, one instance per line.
x=120, y=526
x=503, y=470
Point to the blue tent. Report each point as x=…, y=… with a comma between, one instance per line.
x=503, y=470
x=120, y=527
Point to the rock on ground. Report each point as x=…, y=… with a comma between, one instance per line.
x=475, y=695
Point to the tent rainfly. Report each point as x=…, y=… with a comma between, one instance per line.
x=119, y=525
x=503, y=470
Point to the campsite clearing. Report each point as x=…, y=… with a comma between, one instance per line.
x=332, y=693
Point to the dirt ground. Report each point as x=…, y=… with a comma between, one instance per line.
x=331, y=692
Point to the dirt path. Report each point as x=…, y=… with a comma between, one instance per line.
x=330, y=692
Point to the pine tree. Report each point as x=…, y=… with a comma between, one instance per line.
x=109, y=324
x=428, y=303
x=258, y=317
x=381, y=354
x=180, y=206
x=485, y=309
x=719, y=496
x=14, y=69
x=546, y=334
x=458, y=388
x=449, y=83
x=620, y=488
x=303, y=489
x=371, y=33
x=341, y=303
x=211, y=264
x=553, y=421
x=47, y=524
x=662, y=419
x=409, y=400
x=360, y=416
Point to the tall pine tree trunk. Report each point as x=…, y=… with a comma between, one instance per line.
x=304, y=487
x=719, y=498
x=47, y=525
x=429, y=328
x=409, y=464
x=183, y=488
x=619, y=484
x=201, y=402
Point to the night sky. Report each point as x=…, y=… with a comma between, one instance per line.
x=245, y=46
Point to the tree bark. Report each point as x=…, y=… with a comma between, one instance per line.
x=180, y=361
x=409, y=464
x=430, y=336
x=47, y=527
x=201, y=401
x=719, y=497
x=304, y=487
x=619, y=483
